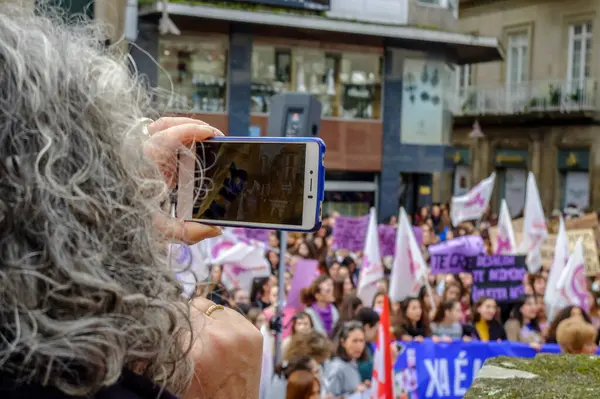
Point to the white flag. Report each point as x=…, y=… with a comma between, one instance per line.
x=506, y=244
x=242, y=262
x=190, y=266
x=573, y=283
x=473, y=204
x=409, y=270
x=266, y=373
x=534, y=227
x=552, y=297
x=371, y=269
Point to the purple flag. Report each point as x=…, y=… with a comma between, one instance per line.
x=259, y=235
x=303, y=277
x=350, y=233
x=387, y=238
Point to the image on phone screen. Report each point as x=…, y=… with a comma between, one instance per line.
x=250, y=182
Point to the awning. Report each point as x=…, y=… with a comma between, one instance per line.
x=462, y=48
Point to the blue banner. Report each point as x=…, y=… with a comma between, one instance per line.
x=446, y=370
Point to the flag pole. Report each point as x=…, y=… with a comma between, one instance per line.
x=280, y=293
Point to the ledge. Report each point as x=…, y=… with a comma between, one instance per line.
x=544, y=377
x=467, y=49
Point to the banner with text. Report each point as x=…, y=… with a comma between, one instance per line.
x=447, y=370
x=350, y=233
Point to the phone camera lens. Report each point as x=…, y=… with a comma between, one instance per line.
x=311, y=172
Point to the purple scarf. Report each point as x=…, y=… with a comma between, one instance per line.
x=326, y=316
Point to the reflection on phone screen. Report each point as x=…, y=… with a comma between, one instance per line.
x=250, y=182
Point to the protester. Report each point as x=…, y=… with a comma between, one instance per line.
x=446, y=322
x=413, y=323
x=283, y=370
x=261, y=293
x=303, y=385
x=575, y=336
x=90, y=306
x=563, y=314
x=301, y=324
x=342, y=376
x=486, y=325
x=318, y=299
x=370, y=321
x=523, y=325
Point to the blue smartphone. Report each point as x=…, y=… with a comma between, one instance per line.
x=255, y=182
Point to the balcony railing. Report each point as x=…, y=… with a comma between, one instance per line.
x=559, y=96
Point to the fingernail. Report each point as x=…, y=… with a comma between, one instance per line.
x=216, y=231
x=217, y=132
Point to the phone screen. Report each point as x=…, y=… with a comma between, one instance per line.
x=250, y=182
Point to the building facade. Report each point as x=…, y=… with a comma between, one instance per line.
x=383, y=71
x=538, y=108
x=387, y=141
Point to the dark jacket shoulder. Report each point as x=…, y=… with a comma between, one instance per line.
x=129, y=386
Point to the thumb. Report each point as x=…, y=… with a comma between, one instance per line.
x=186, y=232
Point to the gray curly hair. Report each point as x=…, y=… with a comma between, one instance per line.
x=85, y=286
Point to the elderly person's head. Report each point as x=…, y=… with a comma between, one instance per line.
x=86, y=289
x=576, y=336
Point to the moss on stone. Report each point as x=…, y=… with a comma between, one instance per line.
x=558, y=377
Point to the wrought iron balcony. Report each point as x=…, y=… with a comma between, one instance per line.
x=559, y=96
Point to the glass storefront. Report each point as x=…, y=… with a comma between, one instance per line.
x=347, y=84
x=348, y=203
x=193, y=74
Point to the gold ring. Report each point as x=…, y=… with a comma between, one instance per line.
x=214, y=308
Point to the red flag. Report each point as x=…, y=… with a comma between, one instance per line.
x=383, y=384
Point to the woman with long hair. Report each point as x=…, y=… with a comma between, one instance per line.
x=215, y=290
x=301, y=324
x=413, y=323
x=303, y=385
x=370, y=321
x=317, y=346
x=261, y=293
x=486, y=326
x=349, y=308
x=90, y=304
x=318, y=299
x=446, y=322
x=284, y=369
x=523, y=325
x=342, y=376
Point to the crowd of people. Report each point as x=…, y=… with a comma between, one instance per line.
x=336, y=333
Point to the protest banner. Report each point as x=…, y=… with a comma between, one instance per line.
x=449, y=264
x=304, y=274
x=350, y=233
x=590, y=248
x=465, y=245
x=446, y=371
x=498, y=276
x=588, y=221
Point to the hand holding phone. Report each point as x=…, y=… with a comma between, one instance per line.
x=271, y=183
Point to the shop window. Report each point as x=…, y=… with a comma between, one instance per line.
x=193, y=75
x=348, y=85
x=573, y=167
x=271, y=74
